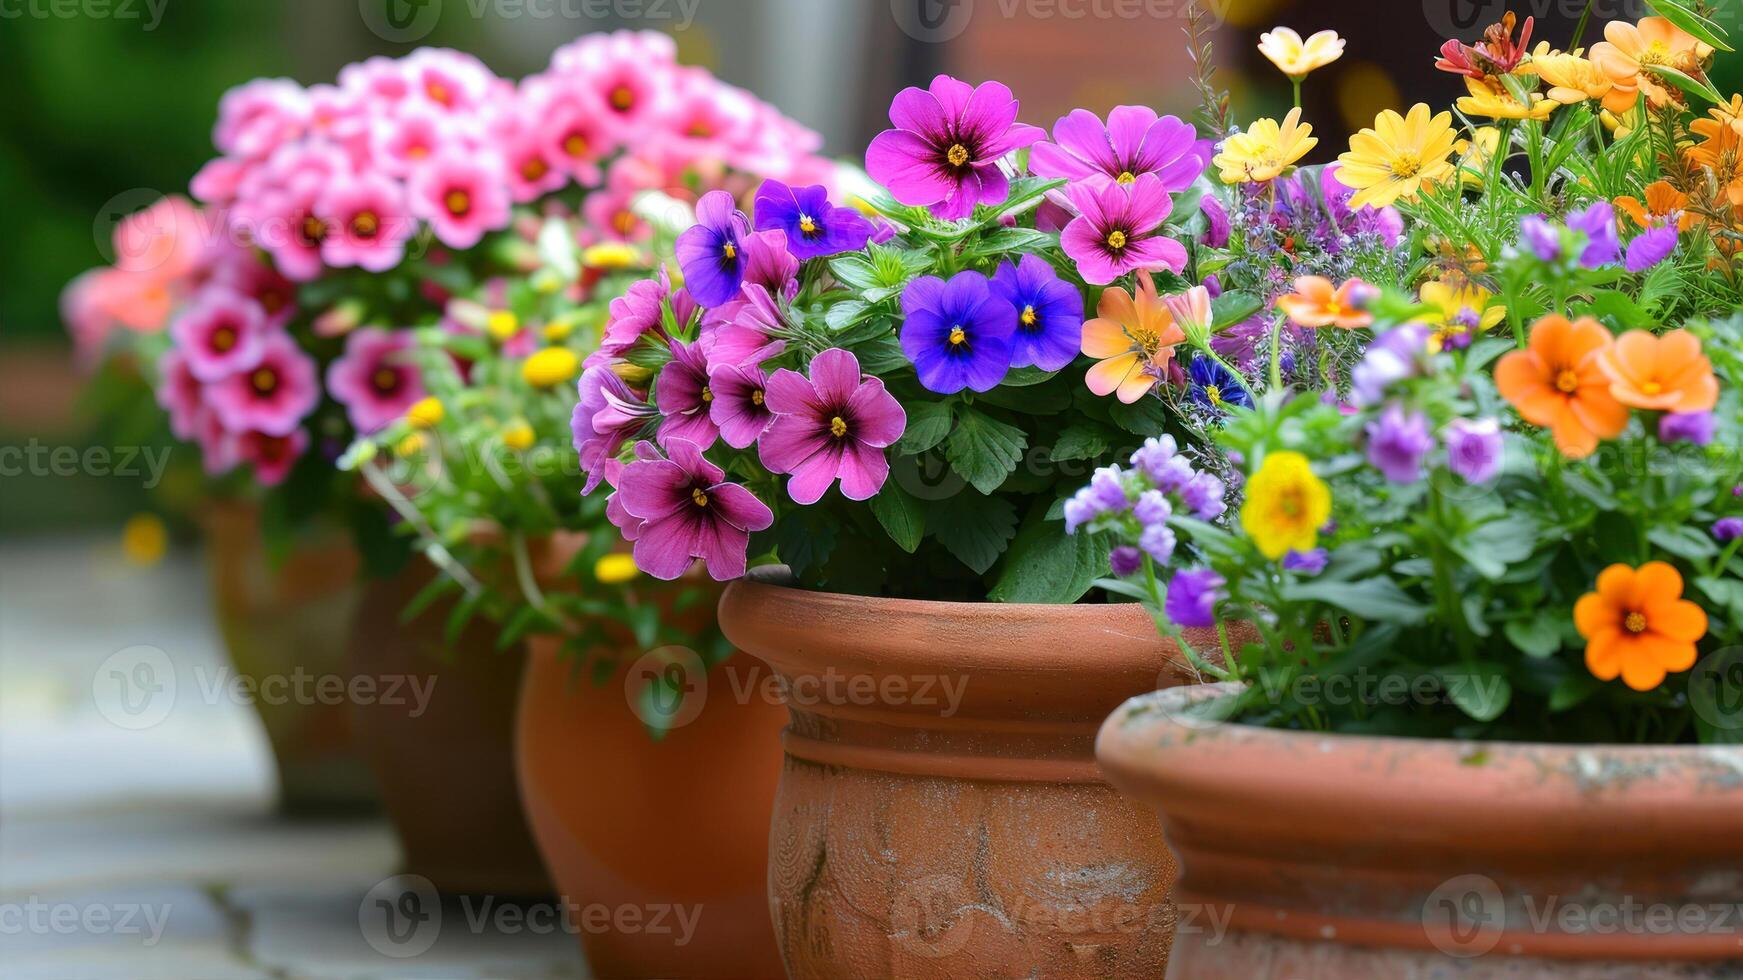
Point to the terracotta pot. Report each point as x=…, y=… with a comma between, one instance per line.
x=643, y=837
x=941, y=813
x=1337, y=857
x=438, y=732
x=288, y=620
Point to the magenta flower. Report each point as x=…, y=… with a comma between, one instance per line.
x=462, y=197
x=740, y=407
x=180, y=393
x=273, y=396
x=531, y=164
x=608, y=414
x=640, y=312
x=367, y=223
x=813, y=226
x=944, y=152
x=376, y=379
x=768, y=264
x=1474, y=450
x=271, y=456
x=688, y=511
x=1134, y=142
x=1117, y=230
x=752, y=336
x=682, y=395
x=1650, y=247
x=711, y=252
x=220, y=334
x=833, y=425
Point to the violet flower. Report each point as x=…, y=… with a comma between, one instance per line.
x=1117, y=230
x=1598, y=223
x=1049, y=313
x=1134, y=142
x=957, y=333
x=1192, y=597
x=1728, y=529
x=1125, y=560
x=1693, y=427
x=688, y=511
x=1310, y=562
x=1474, y=449
x=833, y=425
x=711, y=252
x=1538, y=235
x=1650, y=247
x=682, y=395
x=608, y=414
x=220, y=333
x=1397, y=443
x=812, y=225
x=944, y=152
x=1393, y=356
x=740, y=405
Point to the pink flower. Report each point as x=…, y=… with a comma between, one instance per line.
x=682, y=395
x=401, y=145
x=688, y=511
x=290, y=231
x=574, y=133
x=376, y=379
x=608, y=414
x=260, y=116
x=740, y=404
x=1117, y=230
x=532, y=166
x=220, y=334
x=367, y=223
x=180, y=394
x=217, y=444
x=833, y=426
x=624, y=71
x=1134, y=142
x=461, y=198
x=243, y=271
x=944, y=152
x=271, y=456
x=640, y=312
x=273, y=396
x=448, y=80
x=752, y=336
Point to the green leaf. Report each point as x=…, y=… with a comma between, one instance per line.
x=855, y=271
x=1489, y=548
x=1144, y=417
x=928, y=424
x=1689, y=84
x=1700, y=27
x=804, y=537
x=901, y=516
x=1044, y=564
x=845, y=314
x=1683, y=542
x=1538, y=636
x=974, y=528
x=983, y=450
x=1084, y=440
x=1378, y=599
x=462, y=614
x=1232, y=308
x=1572, y=689
x=1480, y=690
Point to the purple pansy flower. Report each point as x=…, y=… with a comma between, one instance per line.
x=768, y=264
x=682, y=395
x=1650, y=247
x=376, y=380
x=1598, y=223
x=740, y=405
x=813, y=226
x=1397, y=442
x=1310, y=562
x=688, y=511
x=1049, y=313
x=833, y=425
x=1116, y=230
x=957, y=333
x=221, y=333
x=608, y=414
x=1540, y=237
x=1728, y=529
x=944, y=152
x=1134, y=142
x=1473, y=449
x=712, y=252
x=1696, y=427
x=1192, y=597
x=273, y=396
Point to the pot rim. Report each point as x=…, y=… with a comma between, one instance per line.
x=778, y=579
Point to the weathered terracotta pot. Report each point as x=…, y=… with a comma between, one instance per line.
x=438, y=731
x=287, y=621
x=941, y=813
x=643, y=837
x=1336, y=857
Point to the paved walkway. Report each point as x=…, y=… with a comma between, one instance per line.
x=153, y=853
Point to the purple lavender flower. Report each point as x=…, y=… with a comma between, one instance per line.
x=1192, y=597
x=712, y=252
x=1473, y=449
x=1158, y=542
x=1695, y=427
x=1125, y=560
x=813, y=226
x=1049, y=329
x=1107, y=489
x=1393, y=356
x=1598, y=223
x=957, y=333
x=1650, y=247
x=1310, y=562
x=1152, y=508
x=1540, y=237
x=1728, y=529
x=1397, y=442
x=944, y=152
x=1203, y=495
x=1153, y=456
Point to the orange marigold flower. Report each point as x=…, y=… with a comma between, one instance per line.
x=1720, y=151
x=1629, y=52
x=1638, y=626
x=1662, y=374
x=1132, y=338
x=1316, y=303
x=1663, y=205
x=1556, y=382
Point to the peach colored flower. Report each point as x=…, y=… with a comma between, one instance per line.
x=1556, y=382
x=1664, y=374
x=1133, y=338
x=1316, y=303
x=1629, y=52
x=1638, y=626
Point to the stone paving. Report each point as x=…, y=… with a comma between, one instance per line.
x=137, y=852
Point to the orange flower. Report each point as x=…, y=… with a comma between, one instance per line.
x=1315, y=303
x=1638, y=625
x=1629, y=52
x=1556, y=382
x=1663, y=374
x=1133, y=338
x=1720, y=151
x=1664, y=204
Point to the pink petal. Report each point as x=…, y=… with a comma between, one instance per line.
x=790, y=441
x=1155, y=252
x=740, y=507
x=790, y=393
x=812, y=478
x=863, y=470
x=835, y=375
x=905, y=164
x=1127, y=127
x=918, y=111
x=664, y=549
x=653, y=489
x=723, y=548
x=878, y=419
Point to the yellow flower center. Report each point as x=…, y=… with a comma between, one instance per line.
x=838, y=427
x=1116, y=239
x=958, y=337
x=1289, y=502
x=1213, y=393
x=707, y=394
x=1652, y=387
x=365, y=224
x=1126, y=177
x=957, y=154
x=534, y=169
x=314, y=229
x=1406, y=165
x=697, y=497
x=756, y=397
x=1567, y=382
x=457, y=202
x=1634, y=622
x=223, y=339
x=622, y=98
x=1028, y=316
x=806, y=225
x=264, y=380
x=1656, y=53
x=729, y=250
x=575, y=145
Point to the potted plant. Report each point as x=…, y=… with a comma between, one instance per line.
x=1491, y=563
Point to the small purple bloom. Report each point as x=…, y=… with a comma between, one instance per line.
x=1310, y=562
x=1393, y=356
x=835, y=424
x=607, y=414
x=1049, y=328
x=739, y=406
x=1385, y=222
x=1134, y=142
x=1598, y=223
x=1397, y=442
x=639, y=312
x=1650, y=247
x=1152, y=508
x=813, y=226
x=944, y=150
x=688, y=511
x=752, y=336
x=1192, y=597
x=682, y=395
x=1079, y=510
x=1154, y=455
x=1158, y=542
x=957, y=333
x=1203, y=495
x=1540, y=237
x=1118, y=230
x=712, y=252
x=1125, y=560
x=1107, y=489
x=1696, y=427
x=1728, y=529
x=1473, y=449
x=768, y=264
x=1216, y=221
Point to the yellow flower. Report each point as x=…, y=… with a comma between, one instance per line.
x=1461, y=311
x=144, y=540
x=1265, y=150
x=1295, y=57
x=615, y=569
x=502, y=324
x=1571, y=79
x=1286, y=505
x=1629, y=53
x=611, y=255
x=425, y=413
x=518, y=436
x=1475, y=155
x=1494, y=101
x=558, y=330
x=409, y=446
x=1398, y=157
x=550, y=367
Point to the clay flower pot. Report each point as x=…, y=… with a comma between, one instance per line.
x=288, y=620
x=1356, y=858
x=658, y=848
x=941, y=813
x=436, y=726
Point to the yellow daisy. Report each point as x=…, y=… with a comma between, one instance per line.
x=1286, y=505
x=1295, y=57
x=1571, y=79
x=1265, y=150
x=1495, y=102
x=1398, y=157
x=1461, y=311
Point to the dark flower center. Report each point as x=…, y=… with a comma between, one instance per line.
x=385, y=380
x=707, y=394
x=575, y=144
x=264, y=381
x=223, y=338
x=756, y=397
x=807, y=226
x=623, y=98
x=313, y=230
x=534, y=169
x=458, y=202
x=365, y=224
